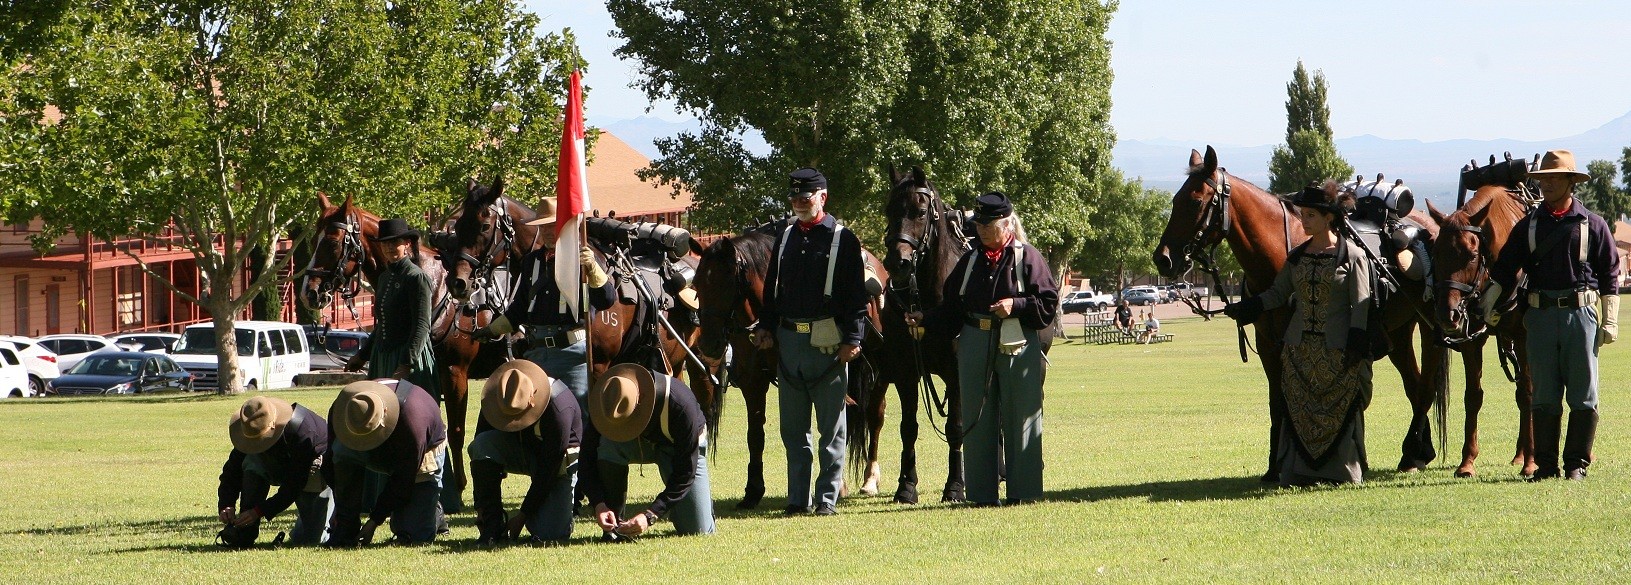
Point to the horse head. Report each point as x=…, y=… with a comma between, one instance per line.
x=340, y=253
x=1461, y=261
x=489, y=230
x=730, y=283
x=914, y=211
x=1199, y=217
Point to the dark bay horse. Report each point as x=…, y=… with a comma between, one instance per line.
x=1212, y=207
x=730, y=283
x=490, y=237
x=347, y=251
x=1470, y=239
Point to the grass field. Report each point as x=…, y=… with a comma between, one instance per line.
x=1152, y=454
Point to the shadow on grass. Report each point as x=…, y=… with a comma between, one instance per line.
x=198, y=524
x=1185, y=490
x=166, y=398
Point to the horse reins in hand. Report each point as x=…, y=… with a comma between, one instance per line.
x=933, y=214
x=1202, y=253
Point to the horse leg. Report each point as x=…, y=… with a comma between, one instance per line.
x=906, y=490
x=1472, y=357
x=956, y=482
x=755, y=388
x=456, y=384
x=1525, y=396
x=1416, y=449
x=876, y=409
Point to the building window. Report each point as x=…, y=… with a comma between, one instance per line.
x=129, y=303
x=22, y=304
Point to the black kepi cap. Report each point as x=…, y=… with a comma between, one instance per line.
x=806, y=180
x=992, y=206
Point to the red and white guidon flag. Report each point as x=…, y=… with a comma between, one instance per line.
x=572, y=197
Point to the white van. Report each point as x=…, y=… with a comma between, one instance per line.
x=270, y=353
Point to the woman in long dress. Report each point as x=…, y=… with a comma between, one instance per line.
x=1327, y=373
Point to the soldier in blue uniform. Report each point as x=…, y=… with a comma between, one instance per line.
x=1572, y=266
x=814, y=310
x=536, y=431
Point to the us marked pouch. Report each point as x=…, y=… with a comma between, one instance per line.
x=824, y=335
x=1011, y=337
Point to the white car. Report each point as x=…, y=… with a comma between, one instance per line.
x=73, y=347
x=13, y=375
x=41, y=363
x=159, y=343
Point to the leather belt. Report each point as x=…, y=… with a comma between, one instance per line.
x=800, y=325
x=981, y=322
x=1571, y=300
x=554, y=336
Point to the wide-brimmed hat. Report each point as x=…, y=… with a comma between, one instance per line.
x=620, y=405
x=546, y=212
x=364, y=414
x=259, y=423
x=1319, y=196
x=1560, y=162
x=516, y=395
x=396, y=228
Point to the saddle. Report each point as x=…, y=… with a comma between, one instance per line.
x=1509, y=173
x=1381, y=221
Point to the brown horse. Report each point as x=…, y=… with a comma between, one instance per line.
x=730, y=283
x=1470, y=239
x=488, y=242
x=347, y=251
x=1261, y=229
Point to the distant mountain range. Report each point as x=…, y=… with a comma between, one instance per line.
x=1430, y=168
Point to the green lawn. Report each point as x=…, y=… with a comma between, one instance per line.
x=1152, y=451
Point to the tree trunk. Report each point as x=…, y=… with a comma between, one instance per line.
x=226, y=349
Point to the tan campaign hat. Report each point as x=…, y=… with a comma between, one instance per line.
x=259, y=423
x=620, y=405
x=1560, y=162
x=516, y=395
x=364, y=414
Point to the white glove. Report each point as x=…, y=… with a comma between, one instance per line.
x=593, y=275
x=1608, y=320
x=1486, y=303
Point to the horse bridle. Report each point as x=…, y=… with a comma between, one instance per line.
x=1470, y=295
x=741, y=284
x=933, y=212
x=481, y=269
x=340, y=277
x=1201, y=250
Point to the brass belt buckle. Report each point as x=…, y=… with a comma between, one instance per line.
x=801, y=327
x=985, y=324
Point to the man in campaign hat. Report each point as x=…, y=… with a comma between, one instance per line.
x=815, y=304
x=536, y=431
x=638, y=416
x=395, y=428
x=281, y=444
x=1569, y=257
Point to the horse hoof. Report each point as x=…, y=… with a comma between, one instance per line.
x=748, y=504
x=1465, y=472
x=906, y=494
x=1529, y=470
x=871, y=490
x=953, y=495
x=1403, y=468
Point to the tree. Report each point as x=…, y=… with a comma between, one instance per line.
x=1601, y=195
x=1310, y=153
x=986, y=95
x=220, y=121
x=1127, y=226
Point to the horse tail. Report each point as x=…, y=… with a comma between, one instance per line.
x=1440, y=384
x=716, y=411
x=863, y=376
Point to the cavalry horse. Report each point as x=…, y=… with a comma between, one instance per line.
x=1470, y=239
x=1213, y=206
x=730, y=284
x=490, y=235
x=346, y=252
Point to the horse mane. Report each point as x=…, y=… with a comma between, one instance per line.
x=754, y=250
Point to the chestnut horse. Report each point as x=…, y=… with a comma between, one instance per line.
x=490, y=236
x=730, y=284
x=1213, y=206
x=1470, y=239
x=346, y=251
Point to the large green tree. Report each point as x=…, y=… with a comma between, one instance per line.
x=985, y=95
x=1127, y=226
x=220, y=121
x=1310, y=152
x=1601, y=194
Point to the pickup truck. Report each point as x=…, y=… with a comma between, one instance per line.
x=1184, y=290
x=1085, y=300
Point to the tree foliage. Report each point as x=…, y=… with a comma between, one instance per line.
x=1601, y=194
x=985, y=95
x=1127, y=226
x=222, y=120
x=1310, y=152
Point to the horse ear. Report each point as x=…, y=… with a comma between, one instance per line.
x=498, y=187
x=322, y=201
x=894, y=175
x=1211, y=161
x=1438, y=216
x=350, y=202
x=1195, y=157
x=470, y=187
x=918, y=176
x=696, y=247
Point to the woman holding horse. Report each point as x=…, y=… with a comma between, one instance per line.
x=999, y=297
x=1327, y=373
x=399, y=347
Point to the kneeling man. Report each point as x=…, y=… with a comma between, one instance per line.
x=637, y=416
x=537, y=428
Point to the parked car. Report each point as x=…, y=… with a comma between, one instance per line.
x=1141, y=295
x=270, y=353
x=13, y=375
x=41, y=363
x=332, y=348
x=148, y=342
x=123, y=372
x=1085, y=300
x=72, y=347
x=1186, y=290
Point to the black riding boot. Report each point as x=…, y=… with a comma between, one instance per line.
x=1548, y=427
x=486, y=479
x=1577, y=449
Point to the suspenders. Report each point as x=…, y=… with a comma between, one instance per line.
x=832, y=258
x=1585, y=239
x=1020, y=279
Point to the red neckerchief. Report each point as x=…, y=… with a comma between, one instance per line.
x=1559, y=213
x=995, y=255
x=805, y=227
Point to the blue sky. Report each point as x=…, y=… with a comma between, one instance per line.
x=1216, y=71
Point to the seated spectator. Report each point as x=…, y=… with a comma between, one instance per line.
x=1124, y=317
x=1151, y=328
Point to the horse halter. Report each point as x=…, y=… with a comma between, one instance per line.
x=1214, y=220
x=933, y=213
x=1470, y=295
x=481, y=269
x=343, y=277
